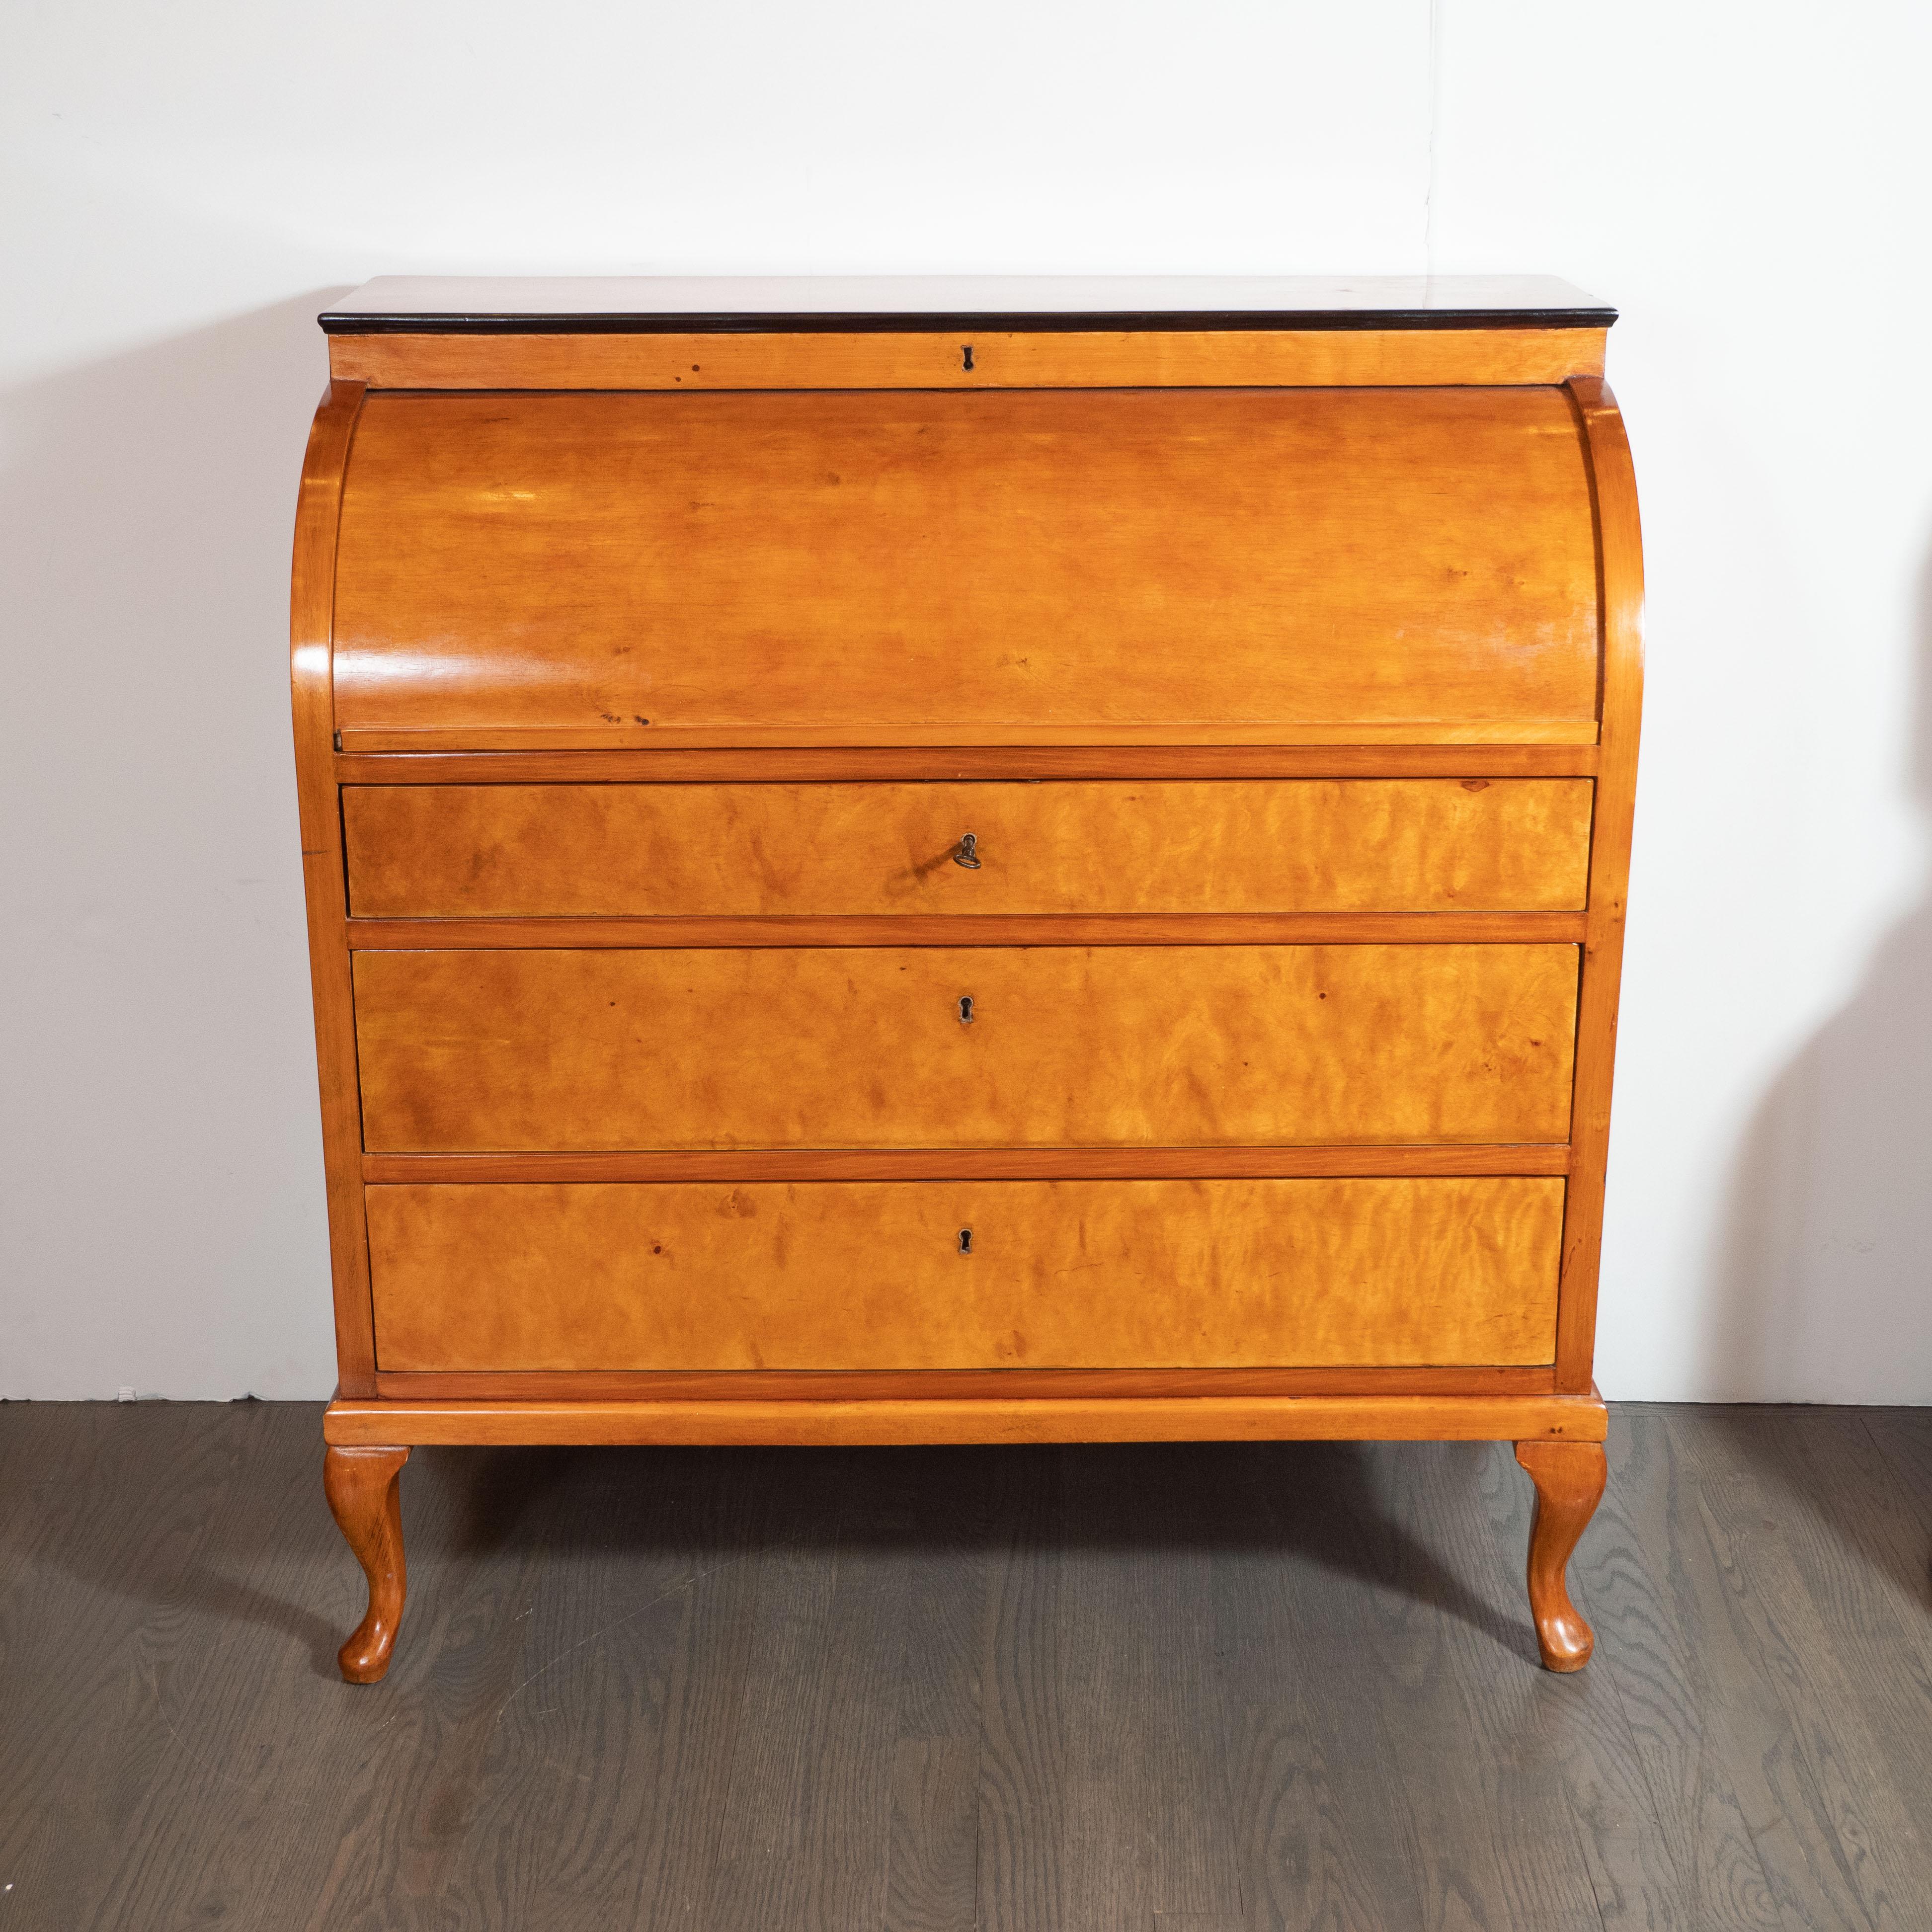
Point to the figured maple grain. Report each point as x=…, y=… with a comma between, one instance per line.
x=1059, y=1274
x=1067, y=1046
x=1214, y=845
x=1055, y=560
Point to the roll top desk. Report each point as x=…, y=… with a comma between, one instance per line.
x=965, y=862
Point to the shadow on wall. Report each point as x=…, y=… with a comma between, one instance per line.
x=164, y=1224
x=1823, y=1282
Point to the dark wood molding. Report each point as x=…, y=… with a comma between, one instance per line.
x=1132, y=323
x=891, y=305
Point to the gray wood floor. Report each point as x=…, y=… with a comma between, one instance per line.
x=1188, y=1690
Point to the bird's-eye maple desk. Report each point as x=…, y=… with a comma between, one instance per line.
x=965, y=861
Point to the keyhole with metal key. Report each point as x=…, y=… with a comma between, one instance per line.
x=965, y=1008
x=967, y=852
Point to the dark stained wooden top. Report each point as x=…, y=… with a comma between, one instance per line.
x=618, y=305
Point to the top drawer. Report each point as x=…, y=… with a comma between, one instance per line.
x=1000, y=566
x=1114, y=846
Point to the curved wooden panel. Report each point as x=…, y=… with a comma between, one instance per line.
x=1613, y=484
x=1045, y=559
x=1059, y=1274
x=311, y=603
x=1215, y=845
x=1066, y=1046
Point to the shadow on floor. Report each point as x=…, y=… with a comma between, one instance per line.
x=264, y=1544
x=1338, y=1506
x=1823, y=1268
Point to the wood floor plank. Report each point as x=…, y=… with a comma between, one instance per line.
x=1905, y=1435
x=947, y=1497
x=808, y=1823
x=1638, y=1577
x=88, y=1750
x=34, y=1443
x=1858, y=1535
x=1107, y=1804
x=1497, y=1845
x=1022, y=1833
x=1574, y=1819
x=1145, y=1754
x=1324, y=1825
x=1851, y=1847
x=625, y=1691
x=932, y=1874
x=255, y=1631
x=1270, y=1685
x=476, y=1526
x=678, y=1806
x=1904, y=1438
x=1196, y=1857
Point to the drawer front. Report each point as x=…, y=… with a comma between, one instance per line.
x=1065, y=1046
x=1059, y=1274
x=1030, y=559
x=1213, y=846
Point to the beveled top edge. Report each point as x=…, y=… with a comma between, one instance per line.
x=644, y=305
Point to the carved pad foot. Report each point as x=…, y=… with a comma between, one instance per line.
x=1569, y=1479
x=364, y=1488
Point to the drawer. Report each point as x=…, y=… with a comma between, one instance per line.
x=1059, y=1274
x=1014, y=565
x=1065, y=1046
x=1213, y=846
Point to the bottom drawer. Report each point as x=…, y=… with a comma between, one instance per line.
x=879, y=1275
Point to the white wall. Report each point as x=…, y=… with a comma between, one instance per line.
x=184, y=187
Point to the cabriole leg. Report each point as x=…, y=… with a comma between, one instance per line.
x=1569, y=1479
x=365, y=1492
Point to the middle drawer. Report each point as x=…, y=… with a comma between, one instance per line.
x=936, y=1047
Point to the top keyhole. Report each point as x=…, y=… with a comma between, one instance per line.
x=966, y=1010
x=966, y=353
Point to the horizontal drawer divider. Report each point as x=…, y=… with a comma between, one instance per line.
x=859, y=764
x=809, y=1164
x=868, y=1385
x=900, y=736
x=1324, y=928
